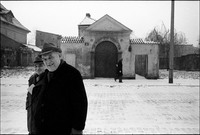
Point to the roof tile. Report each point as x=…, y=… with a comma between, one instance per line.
x=141, y=41
x=72, y=40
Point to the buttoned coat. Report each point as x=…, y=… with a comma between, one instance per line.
x=61, y=103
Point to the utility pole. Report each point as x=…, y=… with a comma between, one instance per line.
x=171, y=53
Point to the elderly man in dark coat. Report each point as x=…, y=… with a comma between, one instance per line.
x=61, y=106
x=33, y=80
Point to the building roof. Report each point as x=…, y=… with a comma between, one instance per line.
x=4, y=12
x=87, y=20
x=2, y=7
x=72, y=40
x=35, y=48
x=107, y=23
x=141, y=41
x=42, y=32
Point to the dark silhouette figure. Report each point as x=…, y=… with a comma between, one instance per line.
x=119, y=72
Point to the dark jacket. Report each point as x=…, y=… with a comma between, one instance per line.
x=119, y=68
x=61, y=103
x=29, y=98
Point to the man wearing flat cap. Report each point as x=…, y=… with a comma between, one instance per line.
x=62, y=101
x=35, y=79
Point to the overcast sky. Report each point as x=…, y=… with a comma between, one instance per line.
x=63, y=17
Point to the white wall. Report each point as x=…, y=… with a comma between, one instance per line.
x=152, y=51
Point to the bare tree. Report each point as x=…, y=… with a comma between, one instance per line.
x=158, y=34
x=162, y=35
x=179, y=38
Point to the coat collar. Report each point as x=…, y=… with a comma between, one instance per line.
x=57, y=72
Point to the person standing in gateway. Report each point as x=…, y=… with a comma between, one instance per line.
x=119, y=70
x=62, y=104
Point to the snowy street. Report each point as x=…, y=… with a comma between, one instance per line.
x=137, y=106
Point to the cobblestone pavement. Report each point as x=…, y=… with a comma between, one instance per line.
x=132, y=107
x=138, y=109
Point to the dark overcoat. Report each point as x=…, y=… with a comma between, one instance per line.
x=29, y=108
x=61, y=101
x=119, y=68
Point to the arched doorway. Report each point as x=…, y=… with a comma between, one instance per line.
x=105, y=59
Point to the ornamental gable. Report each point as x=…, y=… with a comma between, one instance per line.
x=107, y=23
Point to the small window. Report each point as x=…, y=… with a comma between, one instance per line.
x=86, y=44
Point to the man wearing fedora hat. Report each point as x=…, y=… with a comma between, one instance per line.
x=33, y=80
x=62, y=101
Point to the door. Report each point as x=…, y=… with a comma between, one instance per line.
x=105, y=59
x=141, y=65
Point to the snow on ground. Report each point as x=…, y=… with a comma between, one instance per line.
x=135, y=106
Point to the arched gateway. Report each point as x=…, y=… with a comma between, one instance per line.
x=100, y=43
x=106, y=55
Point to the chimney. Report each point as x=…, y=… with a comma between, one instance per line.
x=88, y=15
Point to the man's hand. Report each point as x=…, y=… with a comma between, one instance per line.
x=30, y=89
x=76, y=132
